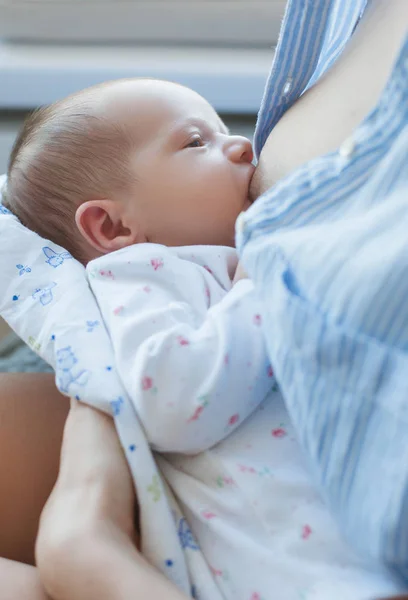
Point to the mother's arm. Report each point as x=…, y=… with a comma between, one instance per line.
x=32, y=417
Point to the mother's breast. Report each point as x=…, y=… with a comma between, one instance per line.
x=327, y=114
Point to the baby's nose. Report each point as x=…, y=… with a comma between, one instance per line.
x=239, y=149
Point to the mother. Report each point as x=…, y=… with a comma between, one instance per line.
x=317, y=53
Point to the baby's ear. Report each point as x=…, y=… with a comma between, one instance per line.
x=100, y=223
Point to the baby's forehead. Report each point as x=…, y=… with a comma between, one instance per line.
x=148, y=102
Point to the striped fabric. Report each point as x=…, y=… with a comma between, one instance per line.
x=327, y=249
x=313, y=34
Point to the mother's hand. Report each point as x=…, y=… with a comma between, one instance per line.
x=94, y=474
x=87, y=542
x=93, y=500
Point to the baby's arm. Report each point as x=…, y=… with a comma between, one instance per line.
x=194, y=373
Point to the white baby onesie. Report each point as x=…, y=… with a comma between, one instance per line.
x=238, y=520
x=190, y=351
x=191, y=357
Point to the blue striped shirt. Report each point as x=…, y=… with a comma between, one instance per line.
x=327, y=249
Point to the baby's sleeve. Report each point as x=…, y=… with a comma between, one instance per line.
x=194, y=373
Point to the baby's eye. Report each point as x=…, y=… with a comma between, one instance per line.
x=197, y=142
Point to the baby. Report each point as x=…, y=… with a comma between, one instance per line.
x=141, y=181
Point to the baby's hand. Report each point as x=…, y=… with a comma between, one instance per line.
x=239, y=274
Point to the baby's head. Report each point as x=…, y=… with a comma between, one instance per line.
x=126, y=162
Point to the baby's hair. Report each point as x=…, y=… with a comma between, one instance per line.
x=64, y=155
